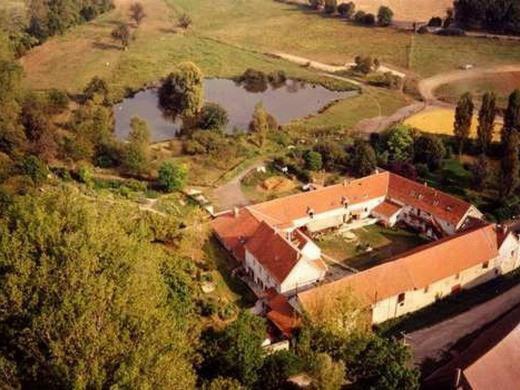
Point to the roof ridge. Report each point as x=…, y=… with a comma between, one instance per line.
x=302, y=194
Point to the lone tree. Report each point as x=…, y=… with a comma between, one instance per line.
x=182, y=93
x=511, y=116
x=486, y=121
x=463, y=118
x=259, y=124
x=385, y=16
x=122, y=34
x=172, y=176
x=510, y=165
x=137, y=13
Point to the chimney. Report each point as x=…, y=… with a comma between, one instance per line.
x=236, y=212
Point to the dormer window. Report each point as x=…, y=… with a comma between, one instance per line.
x=310, y=212
x=344, y=201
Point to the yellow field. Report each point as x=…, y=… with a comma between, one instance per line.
x=440, y=121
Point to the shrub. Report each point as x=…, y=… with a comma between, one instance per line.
x=369, y=20
x=359, y=17
x=423, y=30
x=34, y=168
x=172, y=176
x=313, y=160
x=386, y=80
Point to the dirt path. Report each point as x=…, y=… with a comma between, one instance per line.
x=230, y=195
x=428, y=86
x=432, y=342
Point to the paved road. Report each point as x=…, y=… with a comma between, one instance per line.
x=433, y=341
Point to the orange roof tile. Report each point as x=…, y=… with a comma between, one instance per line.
x=234, y=231
x=283, y=211
x=273, y=251
x=435, y=202
x=415, y=269
x=388, y=208
x=282, y=315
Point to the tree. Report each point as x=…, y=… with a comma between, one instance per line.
x=277, y=368
x=326, y=373
x=122, y=34
x=486, y=121
x=236, y=351
x=137, y=154
x=182, y=92
x=259, y=124
x=213, y=117
x=88, y=307
x=172, y=176
x=510, y=165
x=220, y=383
x=347, y=10
x=480, y=172
x=313, y=161
x=331, y=6
x=385, y=16
x=363, y=161
x=39, y=129
x=463, y=118
x=137, y=12
x=365, y=65
x=384, y=364
x=332, y=154
x=399, y=142
x=430, y=150
x=512, y=115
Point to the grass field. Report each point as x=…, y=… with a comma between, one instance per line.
x=502, y=84
x=385, y=243
x=440, y=121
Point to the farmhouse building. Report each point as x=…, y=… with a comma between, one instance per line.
x=271, y=242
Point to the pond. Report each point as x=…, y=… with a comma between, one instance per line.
x=291, y=100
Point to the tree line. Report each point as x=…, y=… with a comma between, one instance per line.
x=497, y=16
x=42, y=19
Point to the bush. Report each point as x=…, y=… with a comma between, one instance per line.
x=85, y=174
x=359, y=17
x=34, y=168
x=423, y=30
x=184, y=21
x=172, y=177
x=227, y=311
x=386, y=80
x=213, y=117
x=369, y=20
x=313, y=160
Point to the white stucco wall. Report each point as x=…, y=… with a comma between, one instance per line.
x=417, y=299
x=302, y=275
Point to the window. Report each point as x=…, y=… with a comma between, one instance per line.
x=400, y=299
x=485, y=265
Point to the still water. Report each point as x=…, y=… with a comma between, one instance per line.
x=291, y=100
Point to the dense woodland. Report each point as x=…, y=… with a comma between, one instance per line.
x=498, y=16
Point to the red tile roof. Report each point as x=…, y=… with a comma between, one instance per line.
x=282, y=315
x=415, y=269
x=234, y=231
x=387, y=208
x=273, y=251
x=283, y=211
x=435, y=202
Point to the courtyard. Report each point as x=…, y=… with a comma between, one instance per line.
x=368, y=246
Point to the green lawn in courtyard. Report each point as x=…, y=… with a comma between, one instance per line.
x=385, y=243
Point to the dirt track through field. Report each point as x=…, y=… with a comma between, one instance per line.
x=428, y=86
